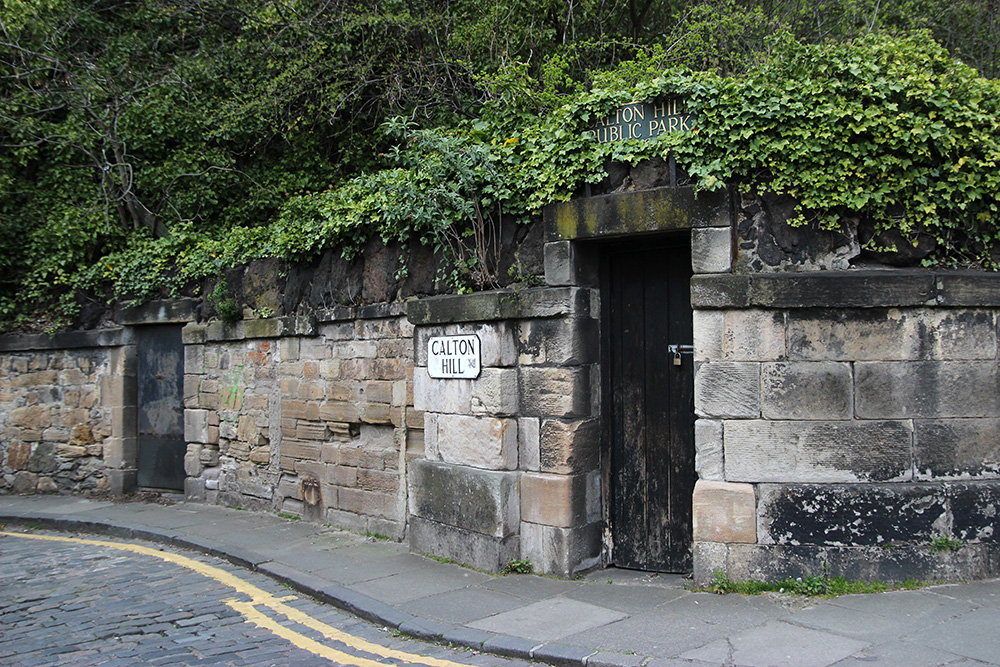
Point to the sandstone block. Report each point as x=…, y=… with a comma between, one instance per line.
x=194, y=359
x=955, y=449
x=927, y=389
x=338, y=411
x=709, y=461
x=711, y=250
x=192, y=460
x=433, y=395
x=17, y=455
x=569, y=446
x=849, y=335
x=724, y=512
x=528, y=443
x=561, y=552
x=196, y=426
x=34, y=417
x=806, y=390
x=555, y=392
x=481, y=501
x=709, y=326
x=66, y=451
x=817, y=451
x=481, y=442
x=495, y=392
x=566, y=341
x=483, y=552
x=24, y=482
x=559, y=500
x=727, y=389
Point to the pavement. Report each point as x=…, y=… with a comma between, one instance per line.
x=608, y=618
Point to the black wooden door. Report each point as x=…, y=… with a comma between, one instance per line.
x=650, y=406
x=160, y=382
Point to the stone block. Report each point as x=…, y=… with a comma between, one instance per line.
x=339, y=411
x=961, y=334
x=712, y=250
x=709, y=560
x=727, y=389
x=431, y=436
x=194, y=333
x=558, y=500
x=806, y=390
x=483, y=552
x=569, y=446
x=956, y=449
x=495, y=392
x=710, y=291
x=927, y=389
x=481, y=442
x=34, y=417
x=555, y=392
x=817, y=451
x=709, y=461
x=196, y=426
x=567, y=341
x=561, y=552
x=66, y=451
x=192, y=460
x=724, y=512
x=194, y=359
x=854, y=334
x=434, y=395
x=120, y=453
x=528, y=442
x=121, y=482
x=481, y=501
x=194, y=490
x=567, y=263
x=853, y=514
x=17, y=455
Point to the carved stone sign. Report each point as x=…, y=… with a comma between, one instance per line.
x=643, y=120
x=453, y=357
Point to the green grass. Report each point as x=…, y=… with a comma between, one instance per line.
x=809, y=586
x=289, y=516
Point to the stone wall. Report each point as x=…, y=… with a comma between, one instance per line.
x=61, y=409
x=847, y=421
x=310, y=416
x=511, y=465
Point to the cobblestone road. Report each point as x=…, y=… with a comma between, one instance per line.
x=73, y=602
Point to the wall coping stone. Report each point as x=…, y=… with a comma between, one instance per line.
x=274, y=327
x=373, y=311
x=636, y=212
x=847, y=289
x=66, y=340
x=499, y=305
x=165, y=311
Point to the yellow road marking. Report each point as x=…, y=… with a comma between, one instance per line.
x=261, y=598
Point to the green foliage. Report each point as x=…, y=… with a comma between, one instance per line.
x=224, y=303
x=944, y=542
x=517, y=567
x=809, y=586
x=146, y=145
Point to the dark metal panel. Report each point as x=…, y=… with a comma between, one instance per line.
x=160, y=383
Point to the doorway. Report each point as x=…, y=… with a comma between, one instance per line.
x=160, y=401
x=649, y=404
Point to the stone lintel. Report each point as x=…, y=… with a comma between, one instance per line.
x=500, y=305
x=165, y=311
x=637, y=212
x=66, y=340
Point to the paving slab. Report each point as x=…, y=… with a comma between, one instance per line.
x=777, y=643
x=562, y=617
x=530, y=587
x=463, y=605
x=629, y=599
x=900, y=654
x=871, y=617
x=975, y=635
x=421, y=581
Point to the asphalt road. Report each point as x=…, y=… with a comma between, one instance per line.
x=81, y=601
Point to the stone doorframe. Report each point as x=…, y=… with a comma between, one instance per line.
x=121, y=452
x=574, y=231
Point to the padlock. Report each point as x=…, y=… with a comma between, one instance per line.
x=677, y=358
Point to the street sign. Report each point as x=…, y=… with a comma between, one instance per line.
x=451, y=357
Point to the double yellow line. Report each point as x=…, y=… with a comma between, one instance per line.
x=261, y=598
